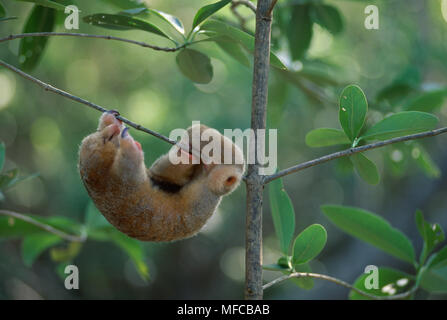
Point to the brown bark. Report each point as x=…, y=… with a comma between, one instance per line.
x=253, y=240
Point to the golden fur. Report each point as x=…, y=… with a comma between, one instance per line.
x=164, y=203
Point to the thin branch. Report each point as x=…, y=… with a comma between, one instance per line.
x=139, y=127
x=84, y=35
x=65, y=94
x=43, y=226
x=48, y=87
x=247, y=3
x=351, y=151
x=254, y=182
x=272, y=5
x=241, y=18
x=403, y=295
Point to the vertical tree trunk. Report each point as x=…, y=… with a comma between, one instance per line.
x=253, y=239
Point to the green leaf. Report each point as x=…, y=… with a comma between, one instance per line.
x=308, y=244
x=233, y=49
x=8, y=178
x=175, y=22
x=31, y=49
x=122, y=22
x=372, y=229
x=60, y=269
x=344, y=166
x=439, y=259
x=366, y=169
x=306, y=283
x=404, y=84
x=325, y=137
x=154, y=16
x=435, y=280
x=353, y=109
x=16, y=228
x=320, y=73
x=283, y=214
x=195, y=65
x=46, y=3
x=274, y=267
x=2, y=11
x=35, y=244
x=67, y=253
x=62, y=223
x=401, y=124
x=134, y=249
x=425, y=162
x=434, y=274
x=11, y=178
x=432, y=234
x=2, y=155
x=243, y=38
x=391, y=282
x=394, y=93
x=299, y=32
x=428, y=101
x=327, y=17
x=279, y=93
x=285, y=262
x=207, y=11
x=124, y=4
x=98, y=228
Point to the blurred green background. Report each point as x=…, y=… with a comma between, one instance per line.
x=42, y=133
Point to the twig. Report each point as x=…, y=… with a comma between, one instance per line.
x=84, y=35
x=241, y=18
x=403, y=295
x=270, y=10
x=45, y=227
x=139, y=127
x=351, y=151
x=248, y=4
x=65, y=94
